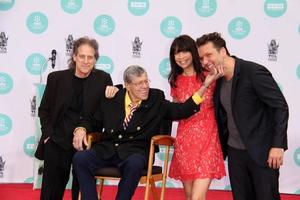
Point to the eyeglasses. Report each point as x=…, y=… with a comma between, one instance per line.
x=141, y=83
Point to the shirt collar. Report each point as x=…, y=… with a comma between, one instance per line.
x=128, y=100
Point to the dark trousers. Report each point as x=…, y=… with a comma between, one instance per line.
x=57, y=165
x=86, y=162
x=250, y=181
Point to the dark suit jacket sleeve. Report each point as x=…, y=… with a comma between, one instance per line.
x=176, y=111
x=45, y=109
x=93, y=121
x=268, y=91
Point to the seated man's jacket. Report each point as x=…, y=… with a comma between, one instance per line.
x=144, y=123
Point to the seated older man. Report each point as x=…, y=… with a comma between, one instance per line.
x=128, y=120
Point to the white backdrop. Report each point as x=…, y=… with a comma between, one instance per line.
x=30, y=29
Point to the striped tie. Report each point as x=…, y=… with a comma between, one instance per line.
x=128, y=117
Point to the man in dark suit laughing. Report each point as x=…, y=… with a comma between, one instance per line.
x=252, y=117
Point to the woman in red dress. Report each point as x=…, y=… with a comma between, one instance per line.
x=197, y=155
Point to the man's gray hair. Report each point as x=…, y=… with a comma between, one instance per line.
x=133, y=71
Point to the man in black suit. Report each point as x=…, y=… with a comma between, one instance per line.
x=126, y=142
x=69, y=97
x=252, y=117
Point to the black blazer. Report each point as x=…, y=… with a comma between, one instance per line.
x=259, y=109
x=58, y=94
x=144, y=124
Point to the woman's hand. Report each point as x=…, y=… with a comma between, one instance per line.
x=214, y=74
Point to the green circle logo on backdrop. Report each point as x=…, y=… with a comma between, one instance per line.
x=37, y=22
x=161, y=154
x=169, y=184
x=29, y=146
x=106, y=64
x=106, y=182
x=71, y=6
x=280, y=86
x=227, y=187
x=29, y=180
x=298, y=72
x=275, y=8
x=6, y=83
x=297, y=156
x=206, y=8
x=138, y=7
x=69, y=184
x=36, y=64
x=6, y=4
x=104, y=25
x=297, y=191
x=170, y=27
x=5, y=124
x=299, y=29
x=239, y=28
x=165, y=68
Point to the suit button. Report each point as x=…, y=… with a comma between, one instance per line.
x=138, y=128
x=112, y=130
x=120, y=136
x=131, y=137
x=116, y=145
x=195, y=110
x=80, y=117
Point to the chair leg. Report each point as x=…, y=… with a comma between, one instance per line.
x=100, y=188
x=153, y=189
x=147, y=191
x=163, y=188
x=79, y=196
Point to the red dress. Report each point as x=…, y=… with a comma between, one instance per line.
x=197, y=149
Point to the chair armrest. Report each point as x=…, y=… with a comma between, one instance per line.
x=92, y=137
x=163, y=140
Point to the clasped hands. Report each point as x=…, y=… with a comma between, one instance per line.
x=79, y=138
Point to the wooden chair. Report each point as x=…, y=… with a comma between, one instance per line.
x=149, y=176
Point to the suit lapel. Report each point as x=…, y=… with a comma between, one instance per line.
x=68, y=88
x=119, y=108
x=136, y=119
x=217, y=93
x=235, y=80
x=140, y=115
x=65, y=94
